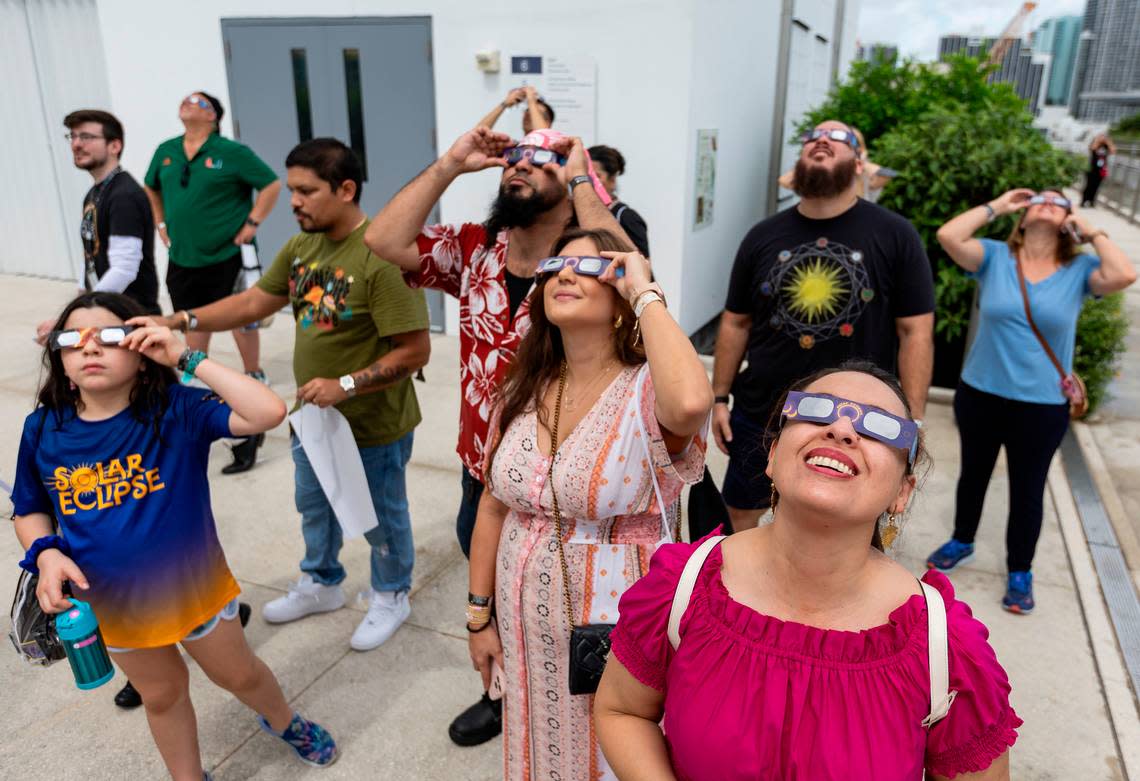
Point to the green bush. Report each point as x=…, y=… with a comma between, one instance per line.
x=1101, y=330
x=958, y=141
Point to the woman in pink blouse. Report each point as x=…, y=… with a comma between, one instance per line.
x=803, y=650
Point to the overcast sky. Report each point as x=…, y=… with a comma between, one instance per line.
x=915, y=25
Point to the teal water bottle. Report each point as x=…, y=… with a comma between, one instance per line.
x=79, y=632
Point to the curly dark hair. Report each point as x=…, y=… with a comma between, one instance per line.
x=149, y=397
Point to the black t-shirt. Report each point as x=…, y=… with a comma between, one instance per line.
x=821, y=292
x=517, y=288
x=634, y=226
x=117, y=206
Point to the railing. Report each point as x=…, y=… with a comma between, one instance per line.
x=1120, y=192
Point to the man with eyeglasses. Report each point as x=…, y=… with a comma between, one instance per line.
x=832, y=278
x=200, y=187
x=117, y=228
x=547, y=180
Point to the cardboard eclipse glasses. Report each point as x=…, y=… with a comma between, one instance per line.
x=107, y=336
x=583, y=265
x=878, y=424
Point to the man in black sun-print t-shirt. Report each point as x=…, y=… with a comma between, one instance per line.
x=830, y=279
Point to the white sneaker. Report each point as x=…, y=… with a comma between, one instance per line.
x=305, y=597
x=386, y=611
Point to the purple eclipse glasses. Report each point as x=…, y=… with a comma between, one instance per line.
x=878, y=424
x=584, y=265
x=533, y=154
x=832, y=134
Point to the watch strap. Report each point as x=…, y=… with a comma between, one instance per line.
x=577, y=180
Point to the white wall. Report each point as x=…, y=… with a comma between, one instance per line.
x=733, y=89
x=159, y=52
x=51, y=59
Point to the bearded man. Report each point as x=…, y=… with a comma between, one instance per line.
x=831, y=279
x=490, y=268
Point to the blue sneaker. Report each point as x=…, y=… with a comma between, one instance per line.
x=1019, y=593
x=950, y=555
x=312, y=742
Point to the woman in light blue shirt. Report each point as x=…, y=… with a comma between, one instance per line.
x=1010, y=392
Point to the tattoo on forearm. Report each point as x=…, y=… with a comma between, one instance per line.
x=378, y=376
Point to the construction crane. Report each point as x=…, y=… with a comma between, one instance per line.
x=1005, y=40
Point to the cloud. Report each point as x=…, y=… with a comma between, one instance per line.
x=916, y=25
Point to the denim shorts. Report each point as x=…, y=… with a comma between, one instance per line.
x=229, y=612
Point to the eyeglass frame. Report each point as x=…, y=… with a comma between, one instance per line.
x=84, y=138
x=545, y=266
x=201, y=102
x=817, y=133
x=559, y=159
x=906, y=440
x=1039, y=199
x=85, y=335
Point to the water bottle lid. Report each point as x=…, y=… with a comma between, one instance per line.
x=77, y=621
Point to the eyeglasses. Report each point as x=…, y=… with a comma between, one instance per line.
x=184, y=180
x=81, y=137
x=585, y=265
x=878, y=424
x=535, y=155
x=194, y=100
x=1056, y=200
x=832, y=134
x=106, y=336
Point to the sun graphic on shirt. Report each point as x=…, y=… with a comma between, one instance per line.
x=82, y=479
x=815, y=289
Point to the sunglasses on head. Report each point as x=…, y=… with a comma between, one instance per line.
x=534, y=154
x=107, y=336
x=832, y=134
x=585, y=265
x=1056, y=200
x=878, y=424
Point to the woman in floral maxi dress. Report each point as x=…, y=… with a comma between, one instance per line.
x=617, y=431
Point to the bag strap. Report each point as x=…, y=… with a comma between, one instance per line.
x=685, y=587
x=938, y=650
x=1029, y=316
x=667, y=533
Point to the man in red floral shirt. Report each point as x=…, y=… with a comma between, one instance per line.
x=489, y=267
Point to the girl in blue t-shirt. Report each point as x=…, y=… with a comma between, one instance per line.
x=116, y=454
x=1010, y=393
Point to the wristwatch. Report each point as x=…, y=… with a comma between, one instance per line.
x=577, y=180
x=189, y=321
x=725, y=399
x=252, y=222
x=348, y=385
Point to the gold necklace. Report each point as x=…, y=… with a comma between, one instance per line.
x=572, y=398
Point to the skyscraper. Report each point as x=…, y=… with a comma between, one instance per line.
x=1018, y=68
x=876, y=52
x=1106, y=85
x=1059, y=38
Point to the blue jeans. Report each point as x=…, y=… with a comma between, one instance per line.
x=393, y=552
x=468, y=509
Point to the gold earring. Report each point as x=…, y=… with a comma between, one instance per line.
x=773, y=497
x=617, y=321
x=889, y=531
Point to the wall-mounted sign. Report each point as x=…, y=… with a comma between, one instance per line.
x=526, y=65
x=705, y=188
x=568, y=84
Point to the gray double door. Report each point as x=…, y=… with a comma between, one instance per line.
x=365, y=81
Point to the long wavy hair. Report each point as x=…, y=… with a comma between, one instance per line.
x=149, y=396
x=922, y=458
x=540, y=354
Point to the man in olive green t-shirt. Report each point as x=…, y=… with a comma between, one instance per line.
x=200, y=187
x=360, y=335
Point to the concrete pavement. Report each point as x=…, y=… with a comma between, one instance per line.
x=389, y=708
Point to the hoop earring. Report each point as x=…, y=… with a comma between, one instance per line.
x=618, y=321
x=890, y=530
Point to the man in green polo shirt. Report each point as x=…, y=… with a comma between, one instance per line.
x=200, y=187
x=360, y=336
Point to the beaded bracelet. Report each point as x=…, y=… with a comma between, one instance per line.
x=188, y=363
x=52, y=541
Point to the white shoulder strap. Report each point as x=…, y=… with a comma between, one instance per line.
x=666, y=524
x=939, y=652
x=685, y=587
